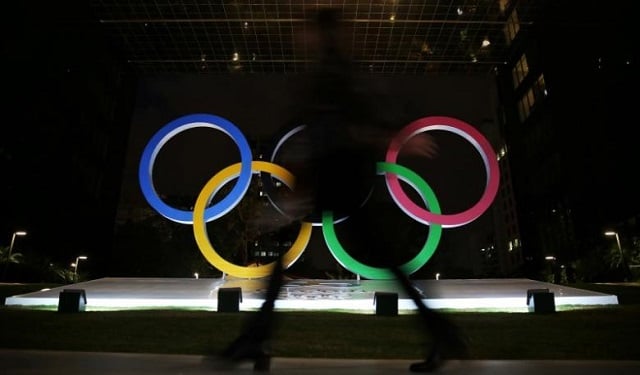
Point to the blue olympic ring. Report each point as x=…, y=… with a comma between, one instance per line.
x=145, y=171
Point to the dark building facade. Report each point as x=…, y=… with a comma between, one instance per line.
x=566, y=113
x=68, y=99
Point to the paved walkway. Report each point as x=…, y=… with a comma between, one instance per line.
x=31, y=362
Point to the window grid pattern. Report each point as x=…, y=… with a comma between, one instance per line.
x=520, y=70
x=535, y=93
x=383, y=37
x=512, y=27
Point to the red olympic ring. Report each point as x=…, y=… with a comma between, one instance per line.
x=474, y=137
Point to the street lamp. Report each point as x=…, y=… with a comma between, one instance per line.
x=623, y=261
x=13, y=240
x=75, y=266
x=612, y=233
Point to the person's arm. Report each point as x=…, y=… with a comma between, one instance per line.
x=378, y=137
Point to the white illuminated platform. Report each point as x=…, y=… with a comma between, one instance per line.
x=311, y=294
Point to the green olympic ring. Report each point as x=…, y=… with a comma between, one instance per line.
x=427, y=251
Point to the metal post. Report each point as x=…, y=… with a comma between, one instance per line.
x=75, y=267
x=13, y=240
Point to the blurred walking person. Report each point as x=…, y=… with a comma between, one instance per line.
x=337, y=153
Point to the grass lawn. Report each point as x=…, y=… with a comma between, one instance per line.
x=602, y=333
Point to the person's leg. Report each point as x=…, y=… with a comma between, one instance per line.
x=447, y=339
x=252, y=343
x=382, y=251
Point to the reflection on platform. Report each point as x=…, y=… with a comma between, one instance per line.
x=311, y=294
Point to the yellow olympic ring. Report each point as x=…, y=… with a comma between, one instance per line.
x=200, y=227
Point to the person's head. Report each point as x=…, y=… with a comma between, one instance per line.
x=327, y=18
x=326, y=34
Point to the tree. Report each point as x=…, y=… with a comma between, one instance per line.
x=241, y=229
x=7, y=257
x=64, y=273
x=608, y=263
x=618, y=260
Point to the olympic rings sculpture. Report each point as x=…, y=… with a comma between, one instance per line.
x=243, y=171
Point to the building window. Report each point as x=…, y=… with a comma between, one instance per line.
x=504, y=4
x=512, y=27
x=524, y=106
x=520, y=70
x=540, y=87
x=502, y=153
x=536, y=92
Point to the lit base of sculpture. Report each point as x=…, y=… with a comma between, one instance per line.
x=312, y=294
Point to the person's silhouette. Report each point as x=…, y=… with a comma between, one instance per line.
x=338, y=150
